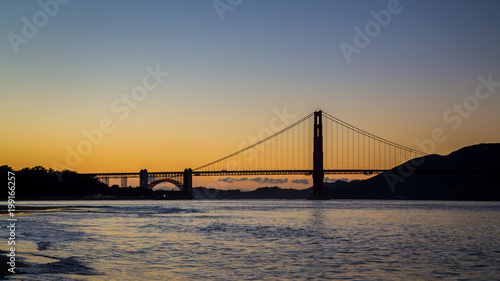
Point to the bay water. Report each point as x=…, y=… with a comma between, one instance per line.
x=259, y=240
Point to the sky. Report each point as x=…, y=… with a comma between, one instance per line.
x=169, y=85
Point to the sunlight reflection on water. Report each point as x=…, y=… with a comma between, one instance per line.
x=262, y=240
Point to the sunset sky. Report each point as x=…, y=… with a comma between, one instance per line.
x=71, y=68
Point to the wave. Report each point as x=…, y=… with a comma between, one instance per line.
x=65, y=265
x=175, y=210
x=43, y=245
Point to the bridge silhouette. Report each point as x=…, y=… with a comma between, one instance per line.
x=315, y=145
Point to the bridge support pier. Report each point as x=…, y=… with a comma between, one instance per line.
x=318, y=173
x=124, y=182
x=143, y=178
x=188, y=184
x=105, y=180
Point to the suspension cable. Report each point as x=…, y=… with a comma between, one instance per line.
x=257, y=143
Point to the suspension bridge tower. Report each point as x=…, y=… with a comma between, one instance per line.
x=318, y=173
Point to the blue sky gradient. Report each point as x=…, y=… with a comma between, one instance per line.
x=226, y=77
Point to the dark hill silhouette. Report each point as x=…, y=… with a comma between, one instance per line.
x=274, y=192
x=470, y=173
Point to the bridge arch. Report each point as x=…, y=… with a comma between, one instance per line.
x=177, y=183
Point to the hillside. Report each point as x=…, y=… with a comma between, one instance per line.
x=470, y=173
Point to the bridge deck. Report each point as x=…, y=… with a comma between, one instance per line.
x=280, y=172
x=236, y=173
x=286, y=172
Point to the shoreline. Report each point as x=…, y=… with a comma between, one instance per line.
x=4, y=266
x=24, y=210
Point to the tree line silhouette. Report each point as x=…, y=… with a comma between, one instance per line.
x=40, y=183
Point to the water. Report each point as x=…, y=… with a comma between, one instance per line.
x=261, y=240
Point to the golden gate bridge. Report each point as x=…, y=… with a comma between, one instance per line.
x=315, y=145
